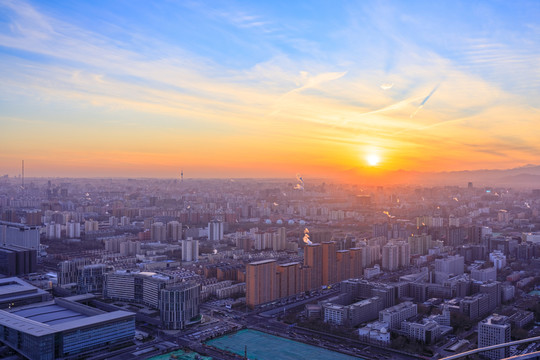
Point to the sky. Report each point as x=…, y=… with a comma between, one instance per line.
x=267, y=88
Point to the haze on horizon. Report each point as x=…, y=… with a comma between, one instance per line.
x=267, y=89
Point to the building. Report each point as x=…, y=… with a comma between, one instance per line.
x=73, y=230
x=91, y=278
x=19, y=235
x=139, y=287
x=15, y=292
x=215, y=230
x=419, y=244
x=390, y=258
x=428, y=331
x=190, y=250
x=451, y=265
x=489, y=274
x=395, y=315
x=353, y=314
x=15, y=260
x=288, y=279
x=329, y=263
x=261, y=282
x=494, y=330
x=63, y=328
x=313, y=258
x=91, y=225
x=375, y=333
x=179, y=305
x=158, y=232
x=174, y=231
x=53, y=230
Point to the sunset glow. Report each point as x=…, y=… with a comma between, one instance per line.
x=249, y=89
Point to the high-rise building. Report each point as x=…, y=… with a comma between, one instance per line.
x=261, y=282
x=53, y=230
x=313, y=258
x=494, y=330
x=73, y=230
x=419, y=244
x=404, y=253
x=158, y=231
x=343, y=264
x=355, y=262
x=190, y=250
x=329, y=269
x=390, y=259
x=91, y=225
x=174, y=231
x=215, y=230
x=288, y=279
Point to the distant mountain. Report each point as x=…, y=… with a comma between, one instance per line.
x=524, y=176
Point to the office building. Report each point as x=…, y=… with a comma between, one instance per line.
x=179, y=305
x=395, y=315
x=494, y=330
x=15, y=260
x=63, y=328
x=489, y=274
x=15, y=292
x=19, y=235
x=451, y=265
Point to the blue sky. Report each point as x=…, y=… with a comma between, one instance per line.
x=349, y=76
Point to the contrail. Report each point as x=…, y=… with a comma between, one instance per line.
x=424, y=101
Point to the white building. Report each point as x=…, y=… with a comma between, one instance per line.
x=215, y=230
x=494, y=330
x=53, y=231
x=484, y=274
x=73, y=229
x=190, y=250
x=395, y=315
x=375, y=332
x=498, y=259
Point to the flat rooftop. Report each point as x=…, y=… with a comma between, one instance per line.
x=50, y=315
x=63, y=314
x=13, y=288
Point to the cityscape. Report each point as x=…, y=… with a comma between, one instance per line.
x=269, y=180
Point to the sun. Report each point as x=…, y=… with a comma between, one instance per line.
x=373, y=159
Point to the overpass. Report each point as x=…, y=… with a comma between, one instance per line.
x=493, y=347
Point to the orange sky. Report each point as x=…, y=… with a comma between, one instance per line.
x=262, y=92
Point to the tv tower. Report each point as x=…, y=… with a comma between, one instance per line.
x=22, y=177
x=181, y=175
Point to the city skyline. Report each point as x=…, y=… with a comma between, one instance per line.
x=240, y=89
